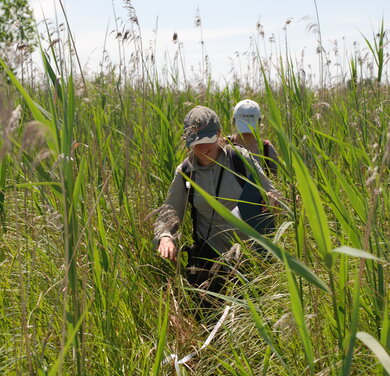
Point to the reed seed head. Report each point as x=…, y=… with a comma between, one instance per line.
x=33, y=135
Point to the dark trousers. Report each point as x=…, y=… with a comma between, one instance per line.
x=204, y=272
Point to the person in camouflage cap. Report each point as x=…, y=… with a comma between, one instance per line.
x=209, y=164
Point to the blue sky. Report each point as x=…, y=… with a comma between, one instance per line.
x=227, y=27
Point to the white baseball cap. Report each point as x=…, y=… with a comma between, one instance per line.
x=246, y=115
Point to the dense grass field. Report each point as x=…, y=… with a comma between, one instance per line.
x=85, y=161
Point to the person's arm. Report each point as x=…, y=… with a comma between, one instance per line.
x=170, y=216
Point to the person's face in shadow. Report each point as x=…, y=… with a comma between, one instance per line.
x=206, y=154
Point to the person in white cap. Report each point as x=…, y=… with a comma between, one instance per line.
x=208, y=157
x=247, y=117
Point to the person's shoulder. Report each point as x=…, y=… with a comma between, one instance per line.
x=186, y=166
x=230, y=141
x=236, y=148
x=236, y=153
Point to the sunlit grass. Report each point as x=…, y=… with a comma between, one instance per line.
x=84, y=164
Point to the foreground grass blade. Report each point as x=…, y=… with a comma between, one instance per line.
x=355, y=197
x=351, y=338
x=313, y=204
x=385, y=332
x=355, y=253
x=376, y=348
x=72, y=336
x=277, y=251
x=263, y=332
x=163, y=332
x=299, y=316
x=3, y=175
x=49, y=131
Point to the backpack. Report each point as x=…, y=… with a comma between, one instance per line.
x=266, y=149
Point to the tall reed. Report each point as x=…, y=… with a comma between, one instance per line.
x=87, y=161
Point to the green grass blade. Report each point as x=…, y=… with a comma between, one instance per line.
x=263, y=333
x=49, y=133
x=344, y=145
x=163, y=333
x=277, y=251
x=299, y=316
x=3, y=175
x=69, y=113
x=58, y=363
x=266, y=361
x=337, y=205
x=103, y=237
x=385, y=332
x=345, y=250
x=77, y=190
x=38, y=183
x=355, y=198
x=313, y=204
x=229, y=368
x=350, y=341
x=276, y=122
x=48, y=68
x=376, y=348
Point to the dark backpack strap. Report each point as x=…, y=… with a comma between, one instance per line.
x=186, y=170
x=238, y=165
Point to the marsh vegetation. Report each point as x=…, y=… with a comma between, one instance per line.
x=85, y=159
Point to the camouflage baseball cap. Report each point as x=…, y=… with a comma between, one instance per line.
x=201, y=126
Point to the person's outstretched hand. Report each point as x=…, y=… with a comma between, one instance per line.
x=167, y=248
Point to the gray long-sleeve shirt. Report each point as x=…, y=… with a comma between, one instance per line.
x=211, y=226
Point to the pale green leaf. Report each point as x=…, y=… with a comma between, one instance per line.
x=313, y=204
x=345, y=250
x=376, y=348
